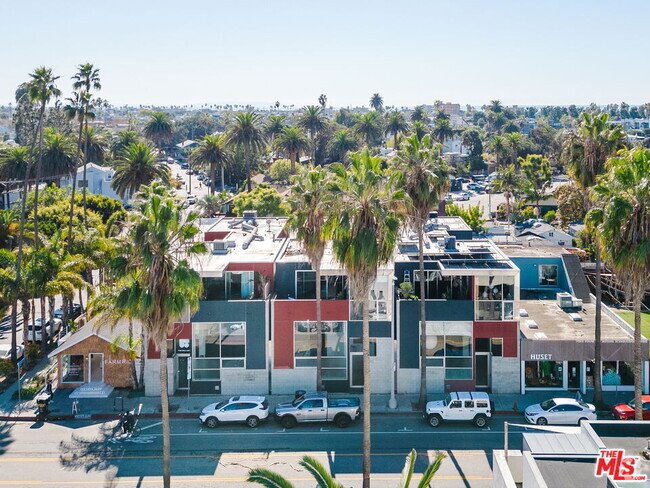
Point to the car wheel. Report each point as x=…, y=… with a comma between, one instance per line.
x=542, y=421
x=342, y=421
x=480, y=421
x=288, y=422
x=435, y=420
x=252, y=421
x=212, y=422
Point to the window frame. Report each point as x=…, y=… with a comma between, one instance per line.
x=309, y=361
x=220, y=359
x=83, y=368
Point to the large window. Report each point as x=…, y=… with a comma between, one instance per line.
x=331, y=287
x=544, y=374
x=378, y=301
x=449, y=346
x=333, y=353
x=495, y=297
x=234, y=285
x=217, y=345
x=548, y=275
x=72, y=368
x=438, y=287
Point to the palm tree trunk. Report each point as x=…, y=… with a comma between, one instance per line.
x=74, y=186
x=366, y=392
x=598, y=358
x=25, y=309
x=164, y=402
x=247, y=157
x=142, y=358
x=223, y=178
x=134, y=373
x=293, y=158
x=44, y=326
x=213, y=174
x=319, y=332
x=14, y=320
x=84, y=178
x=395, y=141
x=423, y=322
x=638, y=358
x=50, y=305
x=38, y=173
x=33, y=318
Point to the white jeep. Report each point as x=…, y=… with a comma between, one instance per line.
x=473, y=406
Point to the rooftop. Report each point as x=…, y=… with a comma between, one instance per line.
x=531, y=248
x=556, y=324
x=570, y=472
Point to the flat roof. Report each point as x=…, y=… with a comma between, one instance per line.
x=537, y=249
x=556, y=324
x=570, y=472
x=560, y=444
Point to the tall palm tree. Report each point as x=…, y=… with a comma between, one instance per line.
x=515, y=142
x=138, y=166
x=95, y=145
x=58, y=155
x=623, y=219
x=538, y=178
x=499, y=148
x=122, y=140
x=313, y=121
x=422, y=175
x=341, y=144
x=273, y=126
x=368, y=127
x=246, y=132
x=365, y=229
x=442, y=131
x=159, y=129
x=420, y=115
x=164, y=287
x=509, y=182
x=377, y=102
x=310, y=200
x=14, y=162
x=293, y=142
x=419, y=129
x=212, y=151
x=585, y=152
x=395, y=125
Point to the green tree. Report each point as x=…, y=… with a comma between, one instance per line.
x=419, y=129
x=280, y=170
x=212, y=152
x=273, y=126
x=164, y=287
x=365, y=230
x=499, y=148
x=623, y=222
x=210, y=205
x=377, y=102
x=341, y=144
x=585, y=151
x=159, y=129
x=514, y=142
x=473, y=215
x=420, y=115
x=122, y=140
x=313, y=121
x=310, y=201
x=266, y=200
x=138, y=166
x=570, y=204
x=368, y=128
x=395, y=125
x=510, y=183
x=422, y=175
x=442, y=131
x=538, y=178
x=292, y=142
x=246, y=132
x=58, y=155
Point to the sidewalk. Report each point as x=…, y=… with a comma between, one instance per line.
x=182, y=406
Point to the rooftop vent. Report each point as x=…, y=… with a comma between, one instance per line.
x=222, y=247
x=450, y=243
x=531, y=324
x=250, y=217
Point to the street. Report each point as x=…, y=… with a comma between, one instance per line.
x=79, y=453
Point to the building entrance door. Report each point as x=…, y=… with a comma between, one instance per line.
x=96, y=366
x=356, y=369
x=574, y=375
x=482, y=369
x=183, y=380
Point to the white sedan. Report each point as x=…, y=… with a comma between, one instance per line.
x=560, y=411
x=247, y=409
x=5, y=351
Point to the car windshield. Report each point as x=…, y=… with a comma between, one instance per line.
x=221, y=404
x=547, y=404
x=631, y=403
x=447, y=400
x=583, y=404
x=297, y=401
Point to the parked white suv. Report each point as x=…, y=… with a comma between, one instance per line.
x=248, y=409
x=473, y=406
x=35, y=332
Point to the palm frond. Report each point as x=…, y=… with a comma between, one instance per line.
x=267, y=478
x=320, y=474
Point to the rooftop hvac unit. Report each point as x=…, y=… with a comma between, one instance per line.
x=221, y=247
x=566, y=300
x=450, y=243
x=250, y=216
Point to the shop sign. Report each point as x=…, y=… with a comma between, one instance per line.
x=117, y=361
x=541, y=357
x=183, y=346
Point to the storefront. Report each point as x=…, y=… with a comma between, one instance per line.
x=569, y=365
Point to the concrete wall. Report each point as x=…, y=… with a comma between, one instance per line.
x=244, y=382
x=287, y=381
x=152, y=377
x=504, y=476
x=506, y=375
x=532, y=478
x=381, y=367
x=408, y=380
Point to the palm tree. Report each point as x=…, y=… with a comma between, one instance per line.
x=419, y=129
x=514, y=142
x=376, y=102
x=499, y=148
x=585, y=152
x=623, y=222
x=9, y=223
x=341, y=144
x=212, y=151
x=164, y=287
x=495, y=106
x=14, y=163
x=422, y=175
x=211, y=205
x=368, y=127
x=509, y=182
x=539, y=177
x=365, y=227
x=274, y=126
x=313, y=121
x=123, y=139
x=292, y=141
x=310, y=201
x=138, y=166
x=395, y=125
x=420, y=115
x=95, y=145
x=246, y=132
x=442, y=131
x=58, y=155
x=159, y=129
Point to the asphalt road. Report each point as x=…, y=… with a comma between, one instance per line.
x=91, y=454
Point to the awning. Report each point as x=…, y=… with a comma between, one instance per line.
x=94, y=389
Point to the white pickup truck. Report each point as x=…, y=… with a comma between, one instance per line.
x=318, y=407
x=473, y=406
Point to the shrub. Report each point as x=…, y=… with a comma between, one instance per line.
x=266, y=200
x=6, y=367
x=280, y=171
x=32, y=353
x=549, y=217
x=473, y=216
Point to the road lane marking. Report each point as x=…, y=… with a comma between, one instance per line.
x=150, y=426
x=328, y=432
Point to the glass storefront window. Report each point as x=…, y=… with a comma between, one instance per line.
x=618, y=373
x=217, y=345
x=438, y=287
x=72, y=368
x=495, y=295
x=334, y=352
x=378, y=302
x=544, y=374
x=449, y=346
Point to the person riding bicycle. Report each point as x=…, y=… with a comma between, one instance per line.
x=128, y=422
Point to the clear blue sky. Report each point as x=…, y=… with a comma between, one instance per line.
x=411, y=52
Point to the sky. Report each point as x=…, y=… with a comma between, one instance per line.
x=193, y=52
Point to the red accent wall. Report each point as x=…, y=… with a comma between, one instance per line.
x=508, y=330
x=286, y=312
x=216, y=235
x=182, y=330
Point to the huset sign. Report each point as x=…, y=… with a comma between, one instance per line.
x=614, y=463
